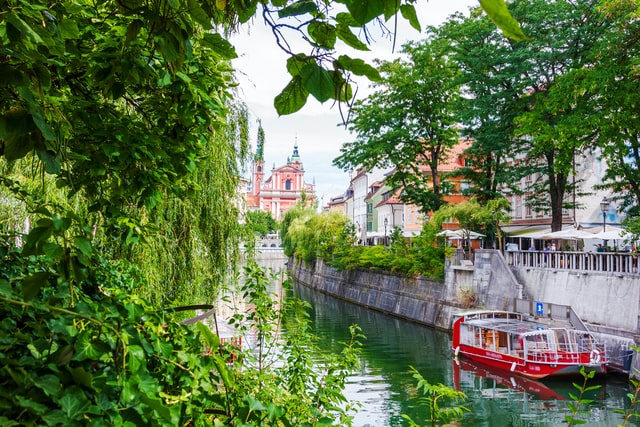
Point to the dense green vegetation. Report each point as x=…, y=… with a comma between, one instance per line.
x=532, y=109
x=121, y=147
x=330, y=236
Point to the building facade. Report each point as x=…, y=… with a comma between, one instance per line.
x=283, y=189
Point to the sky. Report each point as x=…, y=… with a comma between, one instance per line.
x=262, y=75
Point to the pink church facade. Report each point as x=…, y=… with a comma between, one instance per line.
x=282, y=190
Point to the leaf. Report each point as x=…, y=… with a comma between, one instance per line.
x=199, y=14
x=69, y=29
x=84, y=245
x=85, y=348
x=50, y=384
x=74, y=403
x=344, y=33
x=32, y=284
x=297, y=62
x=132, y=31
x=25, y=30
x=359, y=67
x=298, y=8
x=498, y=11
x=364, y=11
x=51, y=161
x=254, y=404
x=213, y=341
x=323, y=33
x=62, y=356
x=53, y=250
x=220, y=45
x=317, y=81
x=292, y=98
x=409, y=13
x=136, y=358
x=343, y=92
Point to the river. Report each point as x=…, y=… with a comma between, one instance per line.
x=384, y=387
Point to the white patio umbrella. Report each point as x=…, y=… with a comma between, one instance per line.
x=460, y=234
x=567, y=234
x=612, y=233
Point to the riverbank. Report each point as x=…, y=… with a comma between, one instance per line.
x=419, y=300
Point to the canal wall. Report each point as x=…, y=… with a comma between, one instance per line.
x=419, y=300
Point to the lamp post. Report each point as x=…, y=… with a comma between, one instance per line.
x=604, y=208
x=386, y=222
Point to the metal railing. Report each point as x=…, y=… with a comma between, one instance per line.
x=602, y=262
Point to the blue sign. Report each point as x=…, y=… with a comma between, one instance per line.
x=539, y=308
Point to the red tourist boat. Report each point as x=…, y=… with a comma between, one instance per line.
x=519, y=344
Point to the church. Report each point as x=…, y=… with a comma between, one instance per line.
x=283, y=189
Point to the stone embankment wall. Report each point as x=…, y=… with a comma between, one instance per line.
x=419, y=300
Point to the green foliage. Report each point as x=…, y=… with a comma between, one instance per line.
x=579, y=400
x=261, y=223
x=92, y=353
x=472, y=215
x=308, y=235
x=331, y=237
x=408, y=122
x=442, y=401
x=633, y=397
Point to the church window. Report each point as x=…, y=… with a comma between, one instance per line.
x=287, y=184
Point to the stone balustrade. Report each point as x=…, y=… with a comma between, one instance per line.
x=602, y=262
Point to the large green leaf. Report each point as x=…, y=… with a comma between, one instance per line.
x=298, y=8
x=364, y=11
x=296, y=63
x=359, y=67
x=318, y=82
x=323, y=33
x=344, y=33
x=51, y=161
x=220, y=45
x=31, y=285
x=199, y=14
x=74, y=403
x=499, y=14
x=409, y=13
x=292, y=98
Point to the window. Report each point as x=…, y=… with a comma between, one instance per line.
x=287, y=184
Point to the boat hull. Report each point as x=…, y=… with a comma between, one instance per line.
x=529, y=369
x=509, y=342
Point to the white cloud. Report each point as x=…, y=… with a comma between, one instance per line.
x=262, y=75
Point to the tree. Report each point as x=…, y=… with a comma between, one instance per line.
x=261, y=222
x=472, y=215
x=408, y=123
x=489, y=103
x=605, y=93
x=538, y=126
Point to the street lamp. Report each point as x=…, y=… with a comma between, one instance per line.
x=604, y=208
x=386, y=222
